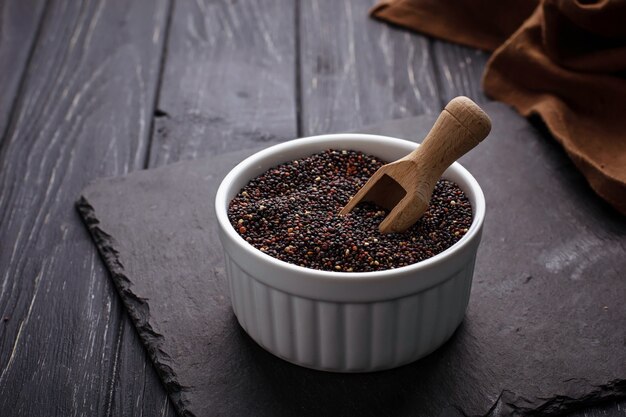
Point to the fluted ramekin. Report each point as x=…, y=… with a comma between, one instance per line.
x=347, y=321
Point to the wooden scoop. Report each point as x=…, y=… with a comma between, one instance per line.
x=405, y=186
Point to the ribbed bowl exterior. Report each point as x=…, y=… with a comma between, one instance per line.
x=349, y=337
x=347, y=322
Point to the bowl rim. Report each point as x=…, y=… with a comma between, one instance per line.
x=222, y=200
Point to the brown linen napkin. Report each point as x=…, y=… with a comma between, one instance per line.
x=562, y=59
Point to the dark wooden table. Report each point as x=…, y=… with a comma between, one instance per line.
x=100, y=88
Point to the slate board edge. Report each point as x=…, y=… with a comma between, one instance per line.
x=559, y=404
x=137, y=308
x=139, y=312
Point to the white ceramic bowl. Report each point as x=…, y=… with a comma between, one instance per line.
x=347, y=321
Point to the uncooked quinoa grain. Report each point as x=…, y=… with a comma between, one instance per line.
x=291, y=212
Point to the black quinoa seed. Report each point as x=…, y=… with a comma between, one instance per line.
x=291, y=212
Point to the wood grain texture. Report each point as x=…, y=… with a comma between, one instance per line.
x=405, y=186
x=19, y=21
x=459, y=70
x=356, y=71
x=229, y=79
x=84, y=112
x=137, y=389
x=86, y=96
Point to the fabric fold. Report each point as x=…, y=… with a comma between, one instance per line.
x=563, y=60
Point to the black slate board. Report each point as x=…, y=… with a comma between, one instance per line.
x=544, y=332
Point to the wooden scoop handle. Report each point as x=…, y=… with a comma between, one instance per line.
x=460, y=127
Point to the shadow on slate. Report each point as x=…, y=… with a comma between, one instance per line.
x=544, y=332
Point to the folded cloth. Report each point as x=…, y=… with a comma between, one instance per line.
x=564, y=60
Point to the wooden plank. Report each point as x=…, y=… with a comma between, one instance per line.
x=459, y=70
x=137, y=390
x=84, y=112
x=357, y=71
x=19, y=21
x=229, y=79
